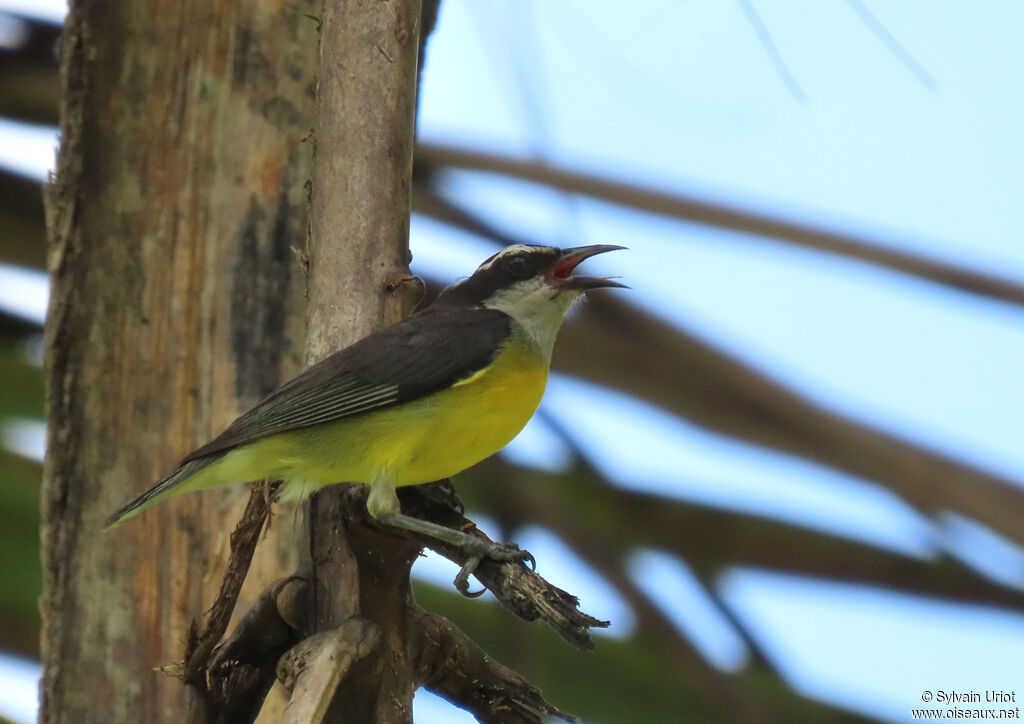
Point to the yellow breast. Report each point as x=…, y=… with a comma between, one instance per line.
x=415, y=442
x=473, y=419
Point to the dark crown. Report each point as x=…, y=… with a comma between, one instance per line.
x=509, y=266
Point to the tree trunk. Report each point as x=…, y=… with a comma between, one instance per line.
x=175, y=305
x=359, y=280
x=180, y=189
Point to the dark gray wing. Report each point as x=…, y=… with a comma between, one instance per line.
x=428, y=352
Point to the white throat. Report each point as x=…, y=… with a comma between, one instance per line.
x=538, y=308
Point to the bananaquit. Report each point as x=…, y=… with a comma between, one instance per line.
x=416, y=402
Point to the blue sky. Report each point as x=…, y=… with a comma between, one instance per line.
x=684, y=96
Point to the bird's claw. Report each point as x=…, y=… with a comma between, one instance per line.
x=527, y=557
x=462, y=579
x=501, y=552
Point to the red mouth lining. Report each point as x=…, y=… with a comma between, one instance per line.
x=564, y=268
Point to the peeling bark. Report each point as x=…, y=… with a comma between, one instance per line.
x=323, y=674
x=173, y=309
x=453, y=666
x=178, y=192
x=358, y=281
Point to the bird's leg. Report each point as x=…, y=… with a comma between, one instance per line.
x=442, y=492
x=383, y=505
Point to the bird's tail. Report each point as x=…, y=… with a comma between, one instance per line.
x=171, y=485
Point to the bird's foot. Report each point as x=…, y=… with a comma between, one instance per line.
x=474, y=548
x=477, y=549
x=441, y=492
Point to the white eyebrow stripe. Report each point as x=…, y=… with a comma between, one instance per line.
x=514, y=249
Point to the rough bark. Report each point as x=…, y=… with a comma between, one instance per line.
x=178, y=194
x=358, y=281
x=368, y=645
x=452, y=665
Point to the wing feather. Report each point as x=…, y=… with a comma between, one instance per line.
x=428, y=352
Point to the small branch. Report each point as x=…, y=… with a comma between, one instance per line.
x=711, y=540
x=452, y=666
x=894, y=46
x=215, y=623
x=430, y=158
x=768, y=43
x=315, y=669
x=518, y=588
x=240, y=671
x=242, y=668
x=531, y=598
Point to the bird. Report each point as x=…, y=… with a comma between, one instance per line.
x=415, y=402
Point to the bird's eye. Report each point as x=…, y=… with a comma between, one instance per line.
x=518, y=267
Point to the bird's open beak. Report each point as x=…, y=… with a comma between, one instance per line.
x=561, y=272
